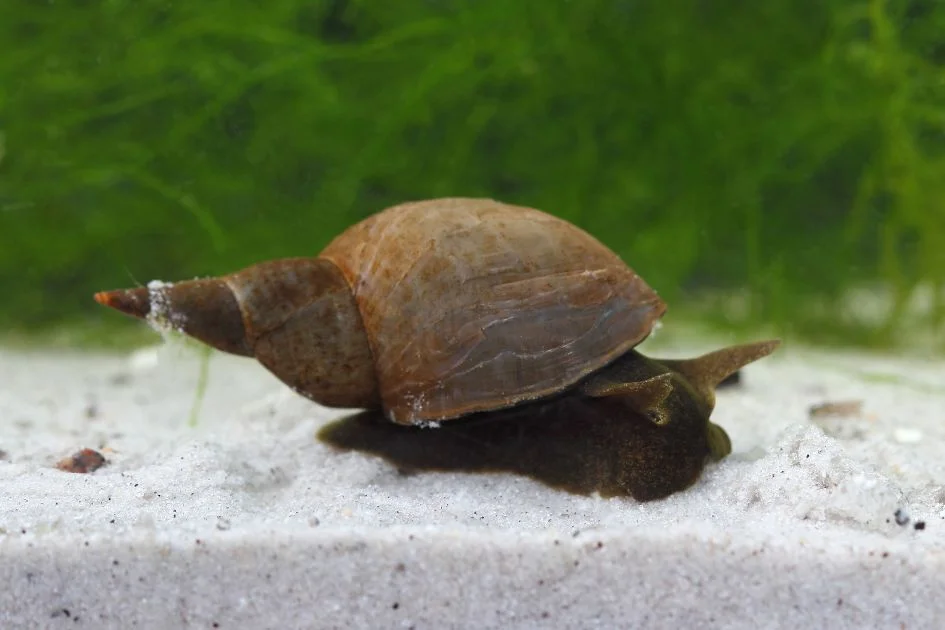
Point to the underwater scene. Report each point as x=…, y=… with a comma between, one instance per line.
x=505, y=314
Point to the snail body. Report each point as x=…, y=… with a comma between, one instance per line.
x=432, y=311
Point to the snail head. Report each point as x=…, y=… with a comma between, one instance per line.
x=679, y=393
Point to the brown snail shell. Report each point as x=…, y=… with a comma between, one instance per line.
x=432, y=310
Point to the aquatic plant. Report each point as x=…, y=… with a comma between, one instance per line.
x=791, y=148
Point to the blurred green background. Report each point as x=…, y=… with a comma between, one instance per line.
x=777, y=154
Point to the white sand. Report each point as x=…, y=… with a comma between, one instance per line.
x=247, y=521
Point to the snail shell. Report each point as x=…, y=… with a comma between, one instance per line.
x=428, y=310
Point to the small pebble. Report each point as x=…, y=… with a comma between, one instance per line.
x=919, y=525
x=843, y=408
x=144, y=359
x=84, y=461
x=902, y=517
x=907, y=435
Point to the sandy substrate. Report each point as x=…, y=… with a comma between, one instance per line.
x=248, y=521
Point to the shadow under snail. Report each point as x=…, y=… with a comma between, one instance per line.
x=510, y=331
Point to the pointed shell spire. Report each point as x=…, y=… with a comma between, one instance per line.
x=204, y=309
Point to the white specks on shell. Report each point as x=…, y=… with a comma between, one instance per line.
x=417, y=404
x=162, y=317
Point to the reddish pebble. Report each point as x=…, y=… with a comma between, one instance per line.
x=84, y=461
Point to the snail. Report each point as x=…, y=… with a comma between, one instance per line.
x=433, y=313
